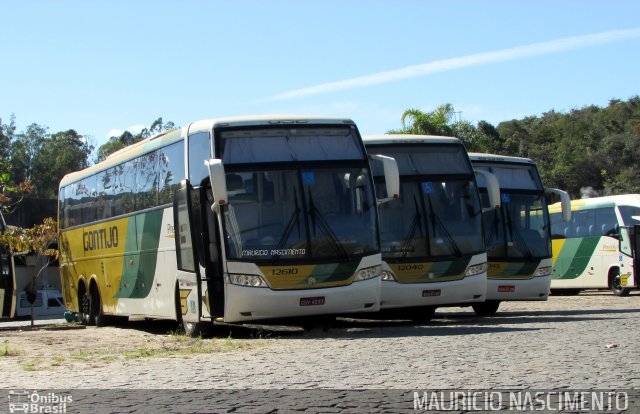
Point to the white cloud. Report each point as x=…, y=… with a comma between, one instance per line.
x=134, y=129
x=114, y=133
x=535, y=49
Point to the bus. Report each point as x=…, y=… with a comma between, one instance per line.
x=432, y=246
x=231, y=220
x=597, y=248
x=518, y=234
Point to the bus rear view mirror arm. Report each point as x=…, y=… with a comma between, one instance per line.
x=218, y=182
x=493, y=189
x=565, y=201
x=391, y=177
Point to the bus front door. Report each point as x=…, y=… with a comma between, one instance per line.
x=188, y=289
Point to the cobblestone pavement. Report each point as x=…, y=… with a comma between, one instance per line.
x=590, y=341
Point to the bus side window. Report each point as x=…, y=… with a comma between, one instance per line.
x=559, y=228
x=606, y=221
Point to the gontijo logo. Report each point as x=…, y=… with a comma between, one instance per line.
x=34, y=402
x=100, y=239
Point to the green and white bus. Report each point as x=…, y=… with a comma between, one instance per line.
x=518, y=234
x=597, y=248
x=236, y=219
x=432, y=246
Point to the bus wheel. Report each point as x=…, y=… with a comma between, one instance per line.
x=84, y=301
x=99, y=318
x=191, y=329
x=423, y=314
x=195, y=329
x=615, y=285
x=487, y=308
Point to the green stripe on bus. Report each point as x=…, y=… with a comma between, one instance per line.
x=139, y=269
x=577, y=254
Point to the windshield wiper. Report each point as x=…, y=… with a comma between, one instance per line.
x=415, y=225
x=294, y=220
x=325, y=228
x=436, y=221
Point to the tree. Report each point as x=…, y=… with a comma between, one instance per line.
x=12, y=190
x=24, y=148
x=415, y=121
x=127, y=138
x=7, y=132
x=61, y=153
x=441, y=121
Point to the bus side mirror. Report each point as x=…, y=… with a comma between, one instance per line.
x=391, y=176
x=493, y=189
x=565, y=202
x=218, y=182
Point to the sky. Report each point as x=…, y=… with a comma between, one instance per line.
x=101, y=67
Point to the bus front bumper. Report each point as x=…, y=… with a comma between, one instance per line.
x=402, y=295
x=247, y=303
x=536, y=288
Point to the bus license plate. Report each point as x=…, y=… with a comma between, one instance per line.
x=317, y=300
x=506, y=288
x=429, y=293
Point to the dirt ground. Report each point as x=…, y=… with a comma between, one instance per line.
x=71, y=345
x=68, y=345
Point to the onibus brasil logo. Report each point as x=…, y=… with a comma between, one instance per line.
x=35, y=402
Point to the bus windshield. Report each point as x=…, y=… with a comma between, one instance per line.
x=432, y=218
x=519, y=228
x=295, y=214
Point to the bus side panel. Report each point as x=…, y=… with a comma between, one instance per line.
x=580, y=262
x=92, y=252
x=161, y=300
x=148, y=273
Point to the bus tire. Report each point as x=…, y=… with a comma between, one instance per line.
x=84, y=305
x=486, y=308
x=99, y=318
x=614, y=283
x=191, y=329
x=194, y=329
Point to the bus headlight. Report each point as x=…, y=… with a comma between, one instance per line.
x=387, y=275
x=246, y=280
x=368, y=273
x=476, y=269
x=543, y=271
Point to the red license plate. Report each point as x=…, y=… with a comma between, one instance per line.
x=506, y=288
x=317, y=300
x=428, y=293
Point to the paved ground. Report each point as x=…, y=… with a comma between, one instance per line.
x=590, y=341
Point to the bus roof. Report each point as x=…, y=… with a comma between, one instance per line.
x=264, y=120
x=171, y=136
x=476, y=156
x=383, y=139
x=139, y=148
x=594, y=202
